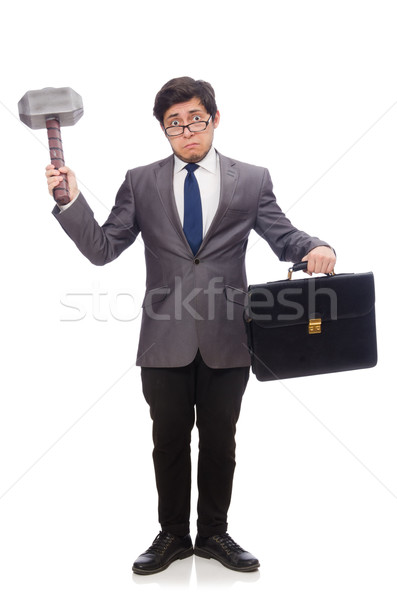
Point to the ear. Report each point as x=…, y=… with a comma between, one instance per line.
x=216, y=119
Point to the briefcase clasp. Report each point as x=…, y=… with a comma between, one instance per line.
x=315, y=326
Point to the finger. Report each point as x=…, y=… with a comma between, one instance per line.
x=53, y=182
x=315, y=267
x=331, y=266
x=66, y=170
x=321, y=266
x=325, y=266
x=311, y=265
x=52, y=173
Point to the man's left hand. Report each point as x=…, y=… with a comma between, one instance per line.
x=320, y=260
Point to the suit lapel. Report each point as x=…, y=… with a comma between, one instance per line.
x=164, y=174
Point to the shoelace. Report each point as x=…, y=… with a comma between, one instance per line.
x=227, y=543
x=161, y=543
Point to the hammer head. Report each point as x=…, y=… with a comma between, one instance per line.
x=36, y=106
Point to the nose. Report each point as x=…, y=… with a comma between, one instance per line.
x=187, y=133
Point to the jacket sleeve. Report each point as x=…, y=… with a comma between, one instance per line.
x=287, y=242
x=101, y=244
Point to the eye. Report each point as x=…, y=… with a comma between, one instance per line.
x=174, y=123
x=196, y=118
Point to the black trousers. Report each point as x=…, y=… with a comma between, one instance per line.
x=177, y=397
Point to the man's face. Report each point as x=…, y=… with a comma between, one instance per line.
x=190, y=146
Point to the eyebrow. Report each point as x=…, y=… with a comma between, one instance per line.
x=195, y=110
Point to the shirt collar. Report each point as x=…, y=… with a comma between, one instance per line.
x=209, y=162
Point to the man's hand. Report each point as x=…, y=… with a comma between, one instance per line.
x=55, y=176
x=320, y=260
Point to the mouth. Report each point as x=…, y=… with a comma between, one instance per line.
x=192, y=145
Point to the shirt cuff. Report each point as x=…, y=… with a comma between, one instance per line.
x=66, y=206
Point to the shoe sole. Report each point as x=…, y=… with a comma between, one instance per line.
x=181, y=556
x=206, y=554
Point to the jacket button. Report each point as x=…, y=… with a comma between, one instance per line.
x=196, y=261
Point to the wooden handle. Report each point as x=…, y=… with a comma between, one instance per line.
x=61, y=192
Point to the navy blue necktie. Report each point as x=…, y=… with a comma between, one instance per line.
x=192, y=216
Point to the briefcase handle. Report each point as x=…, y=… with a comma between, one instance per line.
x=301, y=266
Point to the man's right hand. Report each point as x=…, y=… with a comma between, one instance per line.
x=55, y=176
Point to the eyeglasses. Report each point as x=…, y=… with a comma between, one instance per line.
x=194, y=127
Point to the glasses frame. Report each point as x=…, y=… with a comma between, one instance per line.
x=188, y=127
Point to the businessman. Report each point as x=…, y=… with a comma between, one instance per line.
x=194, y=211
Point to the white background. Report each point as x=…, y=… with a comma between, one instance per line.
x=307, y=89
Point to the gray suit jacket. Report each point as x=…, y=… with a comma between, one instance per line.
x=191, y=301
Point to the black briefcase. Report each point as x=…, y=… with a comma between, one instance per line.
x=312, y=325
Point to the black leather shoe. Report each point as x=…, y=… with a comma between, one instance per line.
x=224, y=549
x=165, y=549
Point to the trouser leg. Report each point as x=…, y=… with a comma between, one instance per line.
x=218, y=403
x=170, y=395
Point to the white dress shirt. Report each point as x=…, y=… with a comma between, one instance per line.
x=209, y=181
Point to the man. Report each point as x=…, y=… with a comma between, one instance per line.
x=194, y=210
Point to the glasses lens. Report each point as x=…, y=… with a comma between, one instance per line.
x=174, y=131
x=198, y=126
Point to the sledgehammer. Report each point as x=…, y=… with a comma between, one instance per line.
x=50, y=108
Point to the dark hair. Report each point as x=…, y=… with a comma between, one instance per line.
x=182, y=89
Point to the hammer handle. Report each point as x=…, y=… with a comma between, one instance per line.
x=61, y=192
